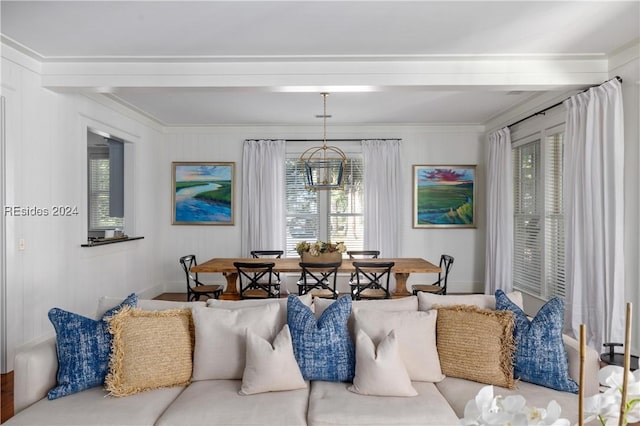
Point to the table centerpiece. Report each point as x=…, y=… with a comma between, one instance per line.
x=321, y=251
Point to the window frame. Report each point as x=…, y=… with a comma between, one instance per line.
x=293, y=151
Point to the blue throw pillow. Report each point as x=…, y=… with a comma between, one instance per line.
x=323, y=348
x=83, y=346
x=541, y=357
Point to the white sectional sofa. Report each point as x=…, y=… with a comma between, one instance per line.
x=217, y=402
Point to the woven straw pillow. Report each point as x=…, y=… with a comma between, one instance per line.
x=476, y=344
x=151, y=349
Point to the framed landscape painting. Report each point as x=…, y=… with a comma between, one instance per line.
x=444, y=196
x=202, y=193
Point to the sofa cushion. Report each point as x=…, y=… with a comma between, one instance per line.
x=218, y=403
x=323, y=348
x=428, y=301
x=270, y=367
x=220, y=348
x=540, y=356
x=476, y=344
x=106, y=302
x=151, y=349
x=416, y=332
x=307, y=299
x=93, y=407
x=401, y=304
x=458, y=392
x=380, y=370
x=83, y=347
x=330, y=404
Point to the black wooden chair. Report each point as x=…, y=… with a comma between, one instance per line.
x=257, y=280
x=440, y=286
x=360, y=254
x=319, y=279
x=371, y=280
x=269, y=254
x=195, y=288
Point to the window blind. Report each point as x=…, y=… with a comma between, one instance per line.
x=527, y=261
x=538, y=264
x=554, y=218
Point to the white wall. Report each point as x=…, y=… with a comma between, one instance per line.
x=420, y=145
x=46, y=166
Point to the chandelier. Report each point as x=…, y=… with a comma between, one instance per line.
x=323, y=166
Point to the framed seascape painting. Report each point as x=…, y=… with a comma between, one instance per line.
x=202, y=193
x=444, y=196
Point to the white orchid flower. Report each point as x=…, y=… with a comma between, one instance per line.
x=489, y=410
x=606, y=406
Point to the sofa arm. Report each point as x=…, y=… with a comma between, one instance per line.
x=591, y=365
x=35, y=371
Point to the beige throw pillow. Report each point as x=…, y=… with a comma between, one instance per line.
x=270, y=368
x=416, y=333
x=476, y=344
x=150, y=349
x=380, y=371
x=220, y=349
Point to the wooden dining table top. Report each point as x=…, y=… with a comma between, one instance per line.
x=403, y=265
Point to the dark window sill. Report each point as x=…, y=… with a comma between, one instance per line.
x=105, y=241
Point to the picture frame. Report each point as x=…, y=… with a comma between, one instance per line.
x=444, y=196
x=202, y=193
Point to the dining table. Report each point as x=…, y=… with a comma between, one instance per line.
x=402, y=268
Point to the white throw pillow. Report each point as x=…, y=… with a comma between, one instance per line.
x=220, y=348
x=416, y=333
x=380, y=371
x=271, y=368
x=105, y=303
x=428, y=301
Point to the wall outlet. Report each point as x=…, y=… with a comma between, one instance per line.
x=21, y=244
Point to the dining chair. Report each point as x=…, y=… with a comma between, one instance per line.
x=372, y=280
x=319, y=279
x=195, y=288
x=257, y=280
x=440, y=286
x=360, y=254
x=268, y=254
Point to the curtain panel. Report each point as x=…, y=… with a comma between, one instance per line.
x=499, y=244
x=382, y=189
x=263, y=196
x=594, y=214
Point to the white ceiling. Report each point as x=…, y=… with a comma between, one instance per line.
x=366, y=40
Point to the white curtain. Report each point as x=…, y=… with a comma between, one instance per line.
x=263, y=196
x=594, y=214
x=499, y=245
x=382, y=188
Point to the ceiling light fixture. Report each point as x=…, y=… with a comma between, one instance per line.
x=323, y=166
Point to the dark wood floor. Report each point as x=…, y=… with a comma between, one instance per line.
x=6, y=396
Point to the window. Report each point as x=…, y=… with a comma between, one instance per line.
x=538, y=264
x=105, y=166
x=327, y=215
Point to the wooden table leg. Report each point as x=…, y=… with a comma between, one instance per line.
x=401, y=285
x=231, y=292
